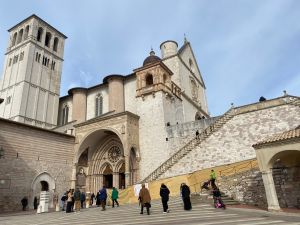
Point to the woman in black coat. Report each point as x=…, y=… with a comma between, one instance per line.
x=164, y=194
x=185, y=193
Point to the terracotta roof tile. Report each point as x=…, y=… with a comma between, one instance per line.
x=288, y=135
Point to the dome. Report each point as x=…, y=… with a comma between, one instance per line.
x=152, y=58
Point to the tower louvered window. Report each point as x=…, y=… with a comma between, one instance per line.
x=99, y=105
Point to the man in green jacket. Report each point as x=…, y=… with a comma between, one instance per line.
x=114, y=197
x=212, y=178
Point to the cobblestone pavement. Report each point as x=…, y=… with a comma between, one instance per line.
x=202, y=214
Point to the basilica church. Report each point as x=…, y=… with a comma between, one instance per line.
x=128, y=129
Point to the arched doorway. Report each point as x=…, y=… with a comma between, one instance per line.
x=285, y=167
x=108, y=176
x=42, y=182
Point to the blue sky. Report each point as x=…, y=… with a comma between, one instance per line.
x=245, y=49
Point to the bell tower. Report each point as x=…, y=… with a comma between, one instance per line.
x=30, y=84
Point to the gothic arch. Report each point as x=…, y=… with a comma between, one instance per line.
x=81, y=147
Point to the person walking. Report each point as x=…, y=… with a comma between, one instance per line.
x=212, y=178
x=63, y=199
x=77, y=197
x=35, y=203
x=114, y=197
x=103, y=197
x=185, y=191
x=92, y=199
x=69, y=201
x=145, y=199
x=24, y=203
x=98, y=198
x=82, y=199
x=164, y=194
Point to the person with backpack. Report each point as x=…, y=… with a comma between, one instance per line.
x=63, y=200
x=164, y=194
x=103, y=197
x=77, y=197
x=114, y=197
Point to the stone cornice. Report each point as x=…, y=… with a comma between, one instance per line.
x=34, y=127
x=111, y=116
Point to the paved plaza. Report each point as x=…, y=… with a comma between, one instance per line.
x=202, y=214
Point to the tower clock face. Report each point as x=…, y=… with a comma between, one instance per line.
x=114, y=154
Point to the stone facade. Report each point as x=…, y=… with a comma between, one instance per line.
x=29, y=154
x=233, y=142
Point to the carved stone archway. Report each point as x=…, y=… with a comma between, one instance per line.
x=92, y=134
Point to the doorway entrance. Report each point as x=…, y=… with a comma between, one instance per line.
x=108, y=177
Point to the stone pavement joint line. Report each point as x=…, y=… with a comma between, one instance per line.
x=202, y=214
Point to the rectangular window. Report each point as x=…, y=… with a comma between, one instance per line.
x=21, y=56
x=8, y=100
x=10, y=60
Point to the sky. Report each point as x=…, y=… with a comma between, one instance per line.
x=244, y=49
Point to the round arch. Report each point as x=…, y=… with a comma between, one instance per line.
x=80, y=148
x=37, y=183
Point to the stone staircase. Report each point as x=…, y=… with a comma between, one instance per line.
x=190, y=146
x=206, y=197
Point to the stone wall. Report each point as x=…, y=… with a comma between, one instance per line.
x=233, y=141
x=178, y=135
x=287, y=185
x=30, y=152
x=246, y=187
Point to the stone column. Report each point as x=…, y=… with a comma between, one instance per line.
x=116, y=180
x=270, y=190
x=101, y=181
x=73, y=178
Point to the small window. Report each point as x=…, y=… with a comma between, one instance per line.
x=65, y=114
x=48, y=62
x=10, y=60
x=39, y=34
x=99, y=105
x=55, y=44
x=15, y=59
x=8, y=100
x=52, y=65
x=149, y=80
x=48, y=39
x=21, y=56
x=39, y=57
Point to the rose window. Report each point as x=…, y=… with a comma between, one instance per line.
x=114, y=153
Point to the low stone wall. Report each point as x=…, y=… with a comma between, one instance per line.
x=246, y=187
x=30, y=155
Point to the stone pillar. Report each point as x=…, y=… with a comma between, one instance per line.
x=270, y=190
x=78, y=104
x=100, y=181
x=116, y=180
x=73, y=178
x=116, y=93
